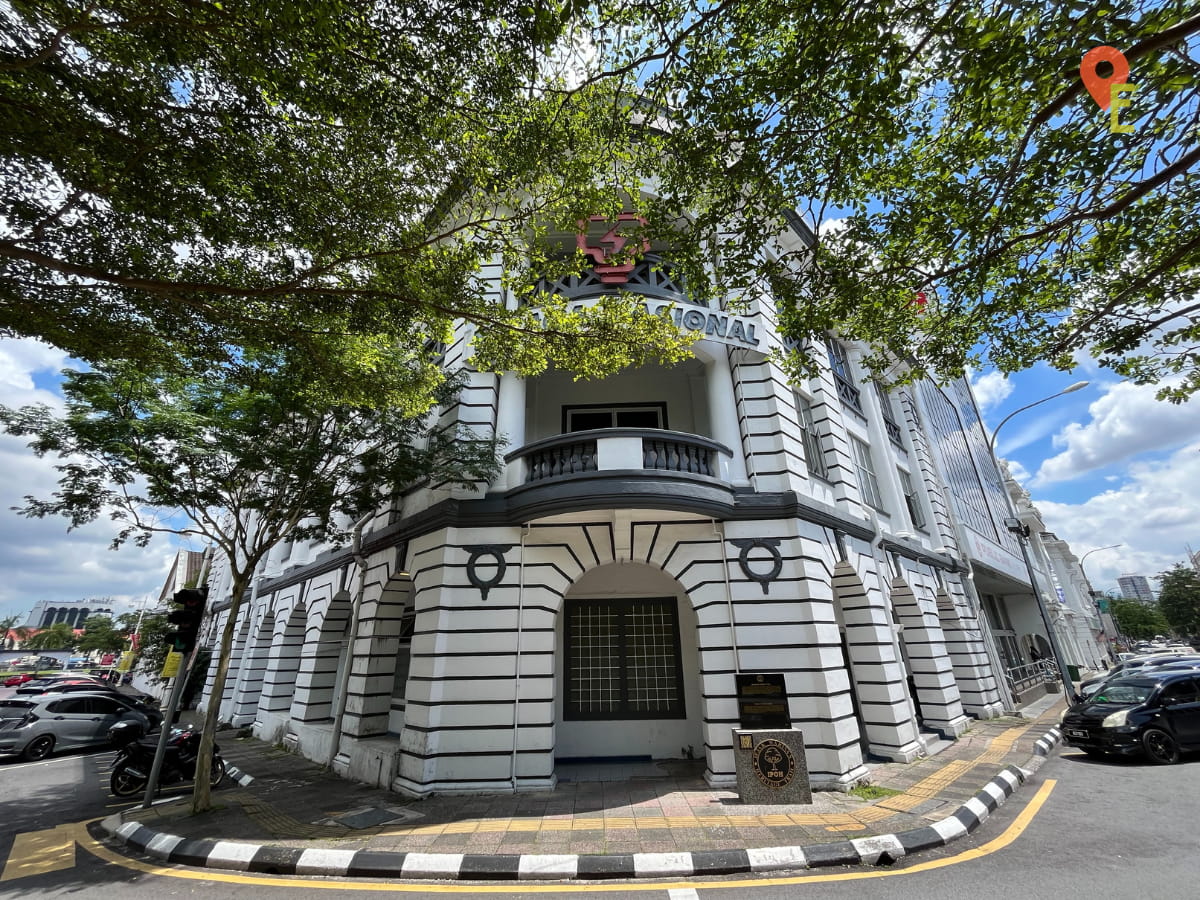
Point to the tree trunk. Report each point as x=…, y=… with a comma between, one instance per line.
x=202, y=792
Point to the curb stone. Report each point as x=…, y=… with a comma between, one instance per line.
x=866, y=851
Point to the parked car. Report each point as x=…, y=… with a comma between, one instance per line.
x=34, y=727
x=1155, y=712
x=39, y=685
x=1130, y=667
x=144, y=703
x=18, y=679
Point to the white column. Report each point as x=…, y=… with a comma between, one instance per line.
x=510, y=423
x=722, y=412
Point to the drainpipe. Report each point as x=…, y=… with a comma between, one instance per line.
x=719, y=530
x=747, y=453
x=517, y=663
x=361, y=561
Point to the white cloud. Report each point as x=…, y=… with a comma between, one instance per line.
x=990, y=389
x=1153, y=515
x=39, y=558
x=1126, y=421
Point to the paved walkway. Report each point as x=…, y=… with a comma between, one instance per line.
x=286, y=815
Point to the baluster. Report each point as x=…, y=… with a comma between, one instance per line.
x=673, y=457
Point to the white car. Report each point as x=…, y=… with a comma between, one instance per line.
x=34, y=727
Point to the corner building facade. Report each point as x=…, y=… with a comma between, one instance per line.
x=650, y=537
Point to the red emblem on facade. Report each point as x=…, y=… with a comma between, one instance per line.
x=611, y=244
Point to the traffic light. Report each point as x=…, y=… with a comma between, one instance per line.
x=186, y=618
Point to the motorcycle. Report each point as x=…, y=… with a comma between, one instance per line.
x=131, y=769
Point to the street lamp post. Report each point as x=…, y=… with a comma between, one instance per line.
x=1021, y=531
x=1077, y=386
x=1093, y=594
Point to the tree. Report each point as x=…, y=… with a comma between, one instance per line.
x=188, y=178
x=100, y=633
x=1140, y=621
x=6, y=625
x=151, y=629
x=239, y=461
x=953, y=149
x=59, y=636
x=1179, y=599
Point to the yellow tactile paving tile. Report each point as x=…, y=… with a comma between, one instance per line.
x=1002, y=744
x=923, y=790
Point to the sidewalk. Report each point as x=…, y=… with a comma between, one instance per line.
x=282, y=814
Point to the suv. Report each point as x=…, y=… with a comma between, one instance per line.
x=1155, y=712
x=34, y=727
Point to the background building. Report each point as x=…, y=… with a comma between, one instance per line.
x=74, y=612
x=1136, y=587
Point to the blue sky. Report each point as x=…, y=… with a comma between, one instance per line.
x=1108, y=464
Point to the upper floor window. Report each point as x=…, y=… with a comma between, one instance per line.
x=912, y=501
x=589, y=416
x=889, y=415
x=868, y=482
x=814, y=453
x=839, y=362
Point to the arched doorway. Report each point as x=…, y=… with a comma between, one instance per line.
x=629, y=687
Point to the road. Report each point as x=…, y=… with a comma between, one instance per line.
x=1079, y=829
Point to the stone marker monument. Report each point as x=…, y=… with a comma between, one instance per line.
x=768, y=753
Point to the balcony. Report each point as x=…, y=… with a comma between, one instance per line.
x=654, y=451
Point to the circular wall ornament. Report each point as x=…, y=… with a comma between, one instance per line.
x=773, y=763
x=771, y=545
x=495, y=552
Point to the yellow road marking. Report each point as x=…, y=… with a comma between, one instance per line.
x=1009, y=835
x=39, y=852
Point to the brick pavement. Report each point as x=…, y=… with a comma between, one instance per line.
x=291, y=809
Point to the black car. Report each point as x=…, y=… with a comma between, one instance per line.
x=1153, y=713
x=1132, y=667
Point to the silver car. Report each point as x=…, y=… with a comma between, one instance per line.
x=34, y=727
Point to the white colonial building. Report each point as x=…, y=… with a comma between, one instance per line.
x=651, y=537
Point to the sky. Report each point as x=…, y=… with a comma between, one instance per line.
x=1106, y=465
x=39, y=558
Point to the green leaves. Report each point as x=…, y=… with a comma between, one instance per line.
x=182, y=183
x=169, y=452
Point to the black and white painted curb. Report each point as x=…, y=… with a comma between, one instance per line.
x=238, y=776
x=871, y=851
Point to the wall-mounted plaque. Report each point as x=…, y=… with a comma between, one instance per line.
x=762, y=700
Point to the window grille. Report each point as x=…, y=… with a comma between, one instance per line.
x=622, y=660
x=889, y=415
x=839, y=363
